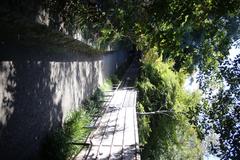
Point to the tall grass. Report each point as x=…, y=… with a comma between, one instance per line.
x=61, y=144
x=58, y=145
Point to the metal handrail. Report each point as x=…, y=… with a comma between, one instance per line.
x=91, y=144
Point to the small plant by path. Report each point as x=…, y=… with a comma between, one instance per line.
x=65, y=142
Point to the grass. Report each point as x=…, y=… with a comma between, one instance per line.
x=107, y=85
x=58, y=145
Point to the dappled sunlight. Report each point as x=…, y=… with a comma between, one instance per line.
x=74, y=81
x=27, y=109
x=37, y=93
x=116, y=133
x=116, y=136
x=191, y=84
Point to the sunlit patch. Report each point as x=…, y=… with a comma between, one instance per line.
x=71, y=82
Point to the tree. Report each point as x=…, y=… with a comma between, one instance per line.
x=186, y=35
x=222, y=112
x=190, y=34
x=167, y=135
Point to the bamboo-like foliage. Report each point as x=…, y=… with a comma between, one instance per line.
x=168, y=135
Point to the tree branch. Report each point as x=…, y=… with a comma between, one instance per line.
x=165, y=112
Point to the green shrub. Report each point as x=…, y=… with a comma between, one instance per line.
x=58, y=145
x=115, y=79
x=170, y=135
x=106, y=86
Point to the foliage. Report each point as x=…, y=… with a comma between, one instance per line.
x=172, y=139
x=170, y=135
x=185, y=35
x=115, y=79
x=107, y=85
x=144, y=126
x=59, y=144
x=191, y=32
x=222, y=112
x=94, y=103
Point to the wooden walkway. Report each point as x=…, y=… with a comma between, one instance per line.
x=116, y=134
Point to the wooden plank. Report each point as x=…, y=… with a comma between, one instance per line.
x=129, y=132
x=136, y=127
x=131, y=100
x=126, y=100
x=99, y=133
x=108, y=124
x=119, y=130
x=118, y=98
x=93, y=153
x=110, y=127
x=129, y=153
x=116, y=153
x=104, y=152
x=118, y=136
x=112, y=124
x=82, y=154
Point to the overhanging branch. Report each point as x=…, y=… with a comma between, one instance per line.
x=165, y=112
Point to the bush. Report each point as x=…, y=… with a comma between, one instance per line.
x=170, y=135
x=57, y=145
x=115, y=79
